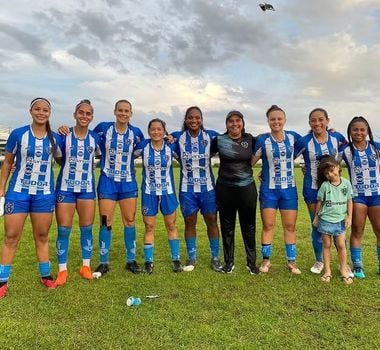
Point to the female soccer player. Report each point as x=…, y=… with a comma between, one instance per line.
x=30, y=190
x=277, y=189
x=76, y=189
x=197, y=189
x=362, y=156
x=318, y=142
x=236, y=191
x=158, y=191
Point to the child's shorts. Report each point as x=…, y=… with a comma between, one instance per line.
x=331, y=228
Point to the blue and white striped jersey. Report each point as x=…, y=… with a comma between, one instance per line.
x=117, y=151
x=157, y=173
x=195, y=160
x=364, y=169
x=77, y=169
x=33, y=173
x=277, y=160
x=312, y=151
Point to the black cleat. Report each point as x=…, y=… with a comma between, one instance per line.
x=228, y=267
x=216, y=265
x=133, y=267
x=148, y=267
x=253, y=269
x=177, y=267
x=102, y=268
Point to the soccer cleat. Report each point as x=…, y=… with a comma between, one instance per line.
x=265, y=266
x=102, y=268
x=133, y=267
x=177, y=267
x=48, y=282
x=228, y=267
x=359, y=273
x=216, y=265
x=190, y=265
x=293, y=268
x=61, y=278
x=148, y=267
x=253, y=269
x=317, y=267
x=85, y=272
x=3, y=290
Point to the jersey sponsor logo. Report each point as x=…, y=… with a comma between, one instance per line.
x=34, y=183
x=363, y=187
x=188, y=155
x=81, y=183
x=28, y=170
x=158, y=186
x=80, y=153
x=196, y=180
x=280, y=180
x=117, y=172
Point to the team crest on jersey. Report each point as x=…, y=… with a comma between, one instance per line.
x=244, y=144
x=119, y=145
x=344, y=191
x=145, y=210
x=28, y=170
x=72, y=170
x=167, y=157
x=49, y=149
x=359, y=179
x=9, y=207
x=373, y=157
x=204, y=143
x=90, y=149
x=128, y=141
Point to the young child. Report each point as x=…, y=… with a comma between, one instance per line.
x=334, y=214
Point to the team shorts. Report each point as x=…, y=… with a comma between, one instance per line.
x=331, y=228
x=17, y=203
x=285, y=199
x=194, y=201
x=116, y=191
x=310, y=195
x=72, y=197
x=151, y=202
x=369, y=201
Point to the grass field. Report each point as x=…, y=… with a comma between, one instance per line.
x=196, y=310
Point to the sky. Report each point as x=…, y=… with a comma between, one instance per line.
x=166, y=55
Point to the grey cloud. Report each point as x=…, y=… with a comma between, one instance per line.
x=85, y=53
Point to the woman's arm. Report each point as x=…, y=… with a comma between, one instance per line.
x=5, y=171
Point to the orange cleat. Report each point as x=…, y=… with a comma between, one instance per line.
x=85, y=272
x=61, y=278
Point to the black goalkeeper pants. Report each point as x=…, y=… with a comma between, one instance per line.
x=241, y=200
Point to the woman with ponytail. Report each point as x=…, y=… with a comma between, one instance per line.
x=30, y=190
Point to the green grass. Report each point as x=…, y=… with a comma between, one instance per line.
x=197, y=310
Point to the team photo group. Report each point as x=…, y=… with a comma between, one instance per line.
x=336, y=205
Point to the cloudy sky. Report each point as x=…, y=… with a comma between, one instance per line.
x=165, y=55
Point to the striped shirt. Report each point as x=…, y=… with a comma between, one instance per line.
x=312, y=151
x=277, y=160
x=364, y=169
x=33, y=173
x=157, y=173
x=117, y=151
x=77, y=170
x=195, y=160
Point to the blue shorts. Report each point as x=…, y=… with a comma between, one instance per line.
x=369, y=201
x=72, y=197
x=331, y=228
x=16, y=203
x=286, y=199
x=150, y=202
x=310, y=195
x=191, y=202
x=116, y=191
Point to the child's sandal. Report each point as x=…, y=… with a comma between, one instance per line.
x=326, y=278
x=347, y=279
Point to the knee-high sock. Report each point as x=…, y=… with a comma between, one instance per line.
x=214, y=247
x=62, y=244
x=266, y=251
x=174, y=248
x=356, y=257
x=105, y=236
x=316, y=241
x=130, y=242
x=5, y=272
x=86, y=241
x=44, y=268
x=191, y=246
x=148, y=252
x=291, y=251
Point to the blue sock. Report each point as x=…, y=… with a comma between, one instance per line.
x=105, y=236
x=5, y=272
x=316, y=241
x=191, y=246
x=356, y=257
x=174, y=248
x=214, y=247
x=62, y=244
x=44, y=268
x=266, y=251
x=291, y=251
x=148, y=252
x=130, y=242
x=86, y=241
